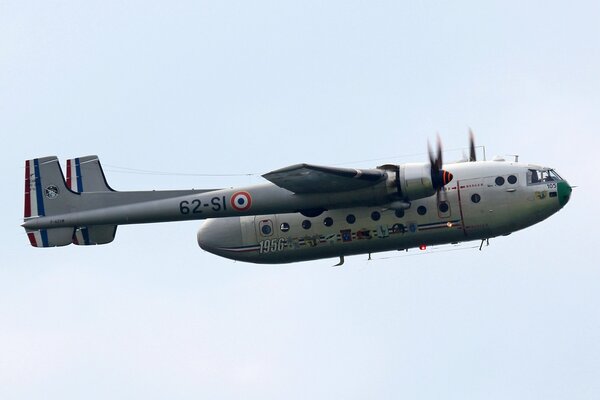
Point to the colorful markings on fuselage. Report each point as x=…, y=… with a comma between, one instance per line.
x=343, y=236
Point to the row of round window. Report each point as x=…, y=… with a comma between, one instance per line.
x=376, y=215
x=511, y=179
x=350, y=218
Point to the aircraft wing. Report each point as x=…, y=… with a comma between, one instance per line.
x=306, y=178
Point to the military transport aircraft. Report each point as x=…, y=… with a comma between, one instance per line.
x=305, y=212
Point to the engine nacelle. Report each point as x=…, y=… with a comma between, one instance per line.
x=415, y=181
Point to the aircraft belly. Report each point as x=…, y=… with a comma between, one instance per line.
x=387, y=234
x=315, y=250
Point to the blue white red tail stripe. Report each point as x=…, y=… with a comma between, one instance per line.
x=32, y=239
x=34, y=198
x=74, y=178
x=69, y=169
x=27, y=211
x=79, y=179
x=38, y=189
x=38, y=238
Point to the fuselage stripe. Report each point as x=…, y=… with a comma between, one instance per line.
x=242, y=249
x=441, y=223
x=429, y=228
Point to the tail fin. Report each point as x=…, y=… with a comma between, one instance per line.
x=84, y=174
x=46, y=194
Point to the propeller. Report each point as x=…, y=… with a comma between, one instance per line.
x=439, y=177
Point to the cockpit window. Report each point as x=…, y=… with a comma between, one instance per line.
x=542, y=175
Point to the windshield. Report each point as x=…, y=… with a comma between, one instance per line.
x=542, y=175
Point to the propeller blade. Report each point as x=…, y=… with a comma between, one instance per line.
x=472, y=155
x=431, y=157
x=438, y=161
x=439, y=177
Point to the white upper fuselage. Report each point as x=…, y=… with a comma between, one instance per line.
x=484, y=199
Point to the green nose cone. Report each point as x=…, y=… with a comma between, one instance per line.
x=564, y=193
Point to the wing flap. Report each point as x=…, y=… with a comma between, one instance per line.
x=307, y=178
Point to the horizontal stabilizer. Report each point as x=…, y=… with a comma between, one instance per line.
x=306, y=178
x=96, y=234
x=50, y=237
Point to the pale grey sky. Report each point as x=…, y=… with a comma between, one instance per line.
x=247, y=87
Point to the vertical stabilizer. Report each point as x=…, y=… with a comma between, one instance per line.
x=85, y=174
x=46, y=194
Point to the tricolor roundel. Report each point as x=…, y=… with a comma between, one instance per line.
x=241, y=201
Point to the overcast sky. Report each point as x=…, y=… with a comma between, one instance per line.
x=238, y=87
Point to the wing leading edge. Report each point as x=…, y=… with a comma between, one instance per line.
x=307, y=178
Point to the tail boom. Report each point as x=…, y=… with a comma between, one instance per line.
x=83, y=209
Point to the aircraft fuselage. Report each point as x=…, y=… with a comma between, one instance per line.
x=484, y=200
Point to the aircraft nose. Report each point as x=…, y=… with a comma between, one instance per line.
x=220, y=236
x=564, y=193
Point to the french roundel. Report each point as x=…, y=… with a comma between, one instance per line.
x=241, y=201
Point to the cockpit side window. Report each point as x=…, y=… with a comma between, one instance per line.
x=532, y=177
